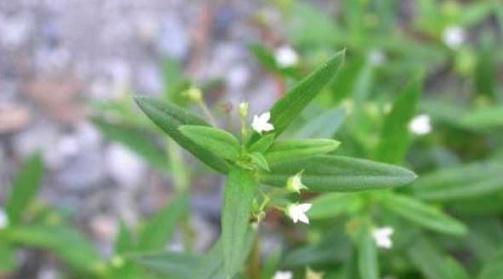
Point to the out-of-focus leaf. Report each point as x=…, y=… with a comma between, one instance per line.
x=296, y=99
x=24, y=188
x=237, y=206
x=332, y=205
x=137, y=140
x=159, y=229
x=124, y=241
x=324, y=125
x=339, y=174
x=7, y=258
x=432, y=263
x=493, y=268
x=485, y=72
x=463, y=182
x=66, y=243
x=285, y=151
x=368, y=266
x=394, y=134
x=484, y=237
x=423, y=214
x=219, y=142
x=484, y=118
x=171, y=264
x=169, y=118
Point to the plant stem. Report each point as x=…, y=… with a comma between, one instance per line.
x=253, y=266
x=207, y=112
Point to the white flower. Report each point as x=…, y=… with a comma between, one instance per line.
x=4, y=219
x=286, y=57
x=420, y=125
x=261, y=123
x=297, y=212
x=294, y=183
x=382, y=237
x=376, y=57
x=283, y=275
x=453, y=36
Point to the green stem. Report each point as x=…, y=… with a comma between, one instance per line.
x=207, y=112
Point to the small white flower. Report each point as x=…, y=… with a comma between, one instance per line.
x=376, y=57
x=420, y=125
x=294, y=183
x=382, y=237
x=297, y=212
x=261, y=123
x=4, y=219
x=286, y=57
x=283, y=275
x=453, y=36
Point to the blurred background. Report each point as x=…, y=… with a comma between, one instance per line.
x=68, y=70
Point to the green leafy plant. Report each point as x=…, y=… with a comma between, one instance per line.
x=259, y=158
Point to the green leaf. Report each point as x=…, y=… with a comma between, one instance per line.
x=460, y=183
x=137, y=140
x=339, y=173
x=212, y=264
x=173, y=265
x=24, y=188
x=68, y=244
x=124, y=241
x=324, y=125
x=219, y=142
x=263, y=144
x=259, y=160
x=395, y=136
x=169, y=118
x=493, y=268
x=332, y=205
x=296, y=99
x=237, y=206
x=284, y=151
x=159, y=229
x=484, y=118
x=7, y=258
x=431, y=262
x=423, y=214
x=368, y=266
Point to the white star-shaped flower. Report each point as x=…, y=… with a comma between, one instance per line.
x=453, y=36
x=420, y=125
x=283, y=275
x=261, y=123
x=297, y=212
x=286, y=57
x=382, y=237
x=4, y=219
x=294, y=183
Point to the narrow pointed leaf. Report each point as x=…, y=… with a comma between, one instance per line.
x=169, y=118
x=219, y=142
x=296, y=99
x=263, y=144
x=285, y=151
x=423, y=214
x=259, y=160
x=237, y=206
x=24, y=188
x=395, y=136
x=339, y=174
